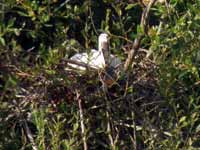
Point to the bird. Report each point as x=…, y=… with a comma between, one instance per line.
x=97, y=59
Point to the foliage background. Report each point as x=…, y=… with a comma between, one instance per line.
x=158, y=110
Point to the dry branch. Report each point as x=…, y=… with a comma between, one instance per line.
x=137, y=41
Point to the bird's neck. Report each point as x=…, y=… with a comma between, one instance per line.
x=104, y=49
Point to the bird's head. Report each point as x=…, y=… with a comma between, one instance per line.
x=103, y=37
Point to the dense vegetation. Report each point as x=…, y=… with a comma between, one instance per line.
x=155, y=103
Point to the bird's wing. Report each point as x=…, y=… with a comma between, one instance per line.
x=96, y=59
x=80, y=57
x=93, y=59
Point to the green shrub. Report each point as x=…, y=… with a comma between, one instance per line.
x=44, y=107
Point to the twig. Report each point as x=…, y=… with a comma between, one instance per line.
x=160, y=26
x=82, y=120
x=133, y=52
x=109, y=130
x=30, y=136
x=91, y=18
x=134, y=132
x=137, y=41
x=121, y=37
x=61, y=5
x=2, y=12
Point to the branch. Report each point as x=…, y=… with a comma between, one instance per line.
x=137, y=41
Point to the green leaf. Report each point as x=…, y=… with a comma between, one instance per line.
x=130, y=6
x=2, y=41
x=168, y=134
x=198, y=128
x=182, y=119
x=22, y=14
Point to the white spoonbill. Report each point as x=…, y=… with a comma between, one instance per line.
x=97, y=59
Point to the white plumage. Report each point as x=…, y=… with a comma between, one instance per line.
x=97, y=59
